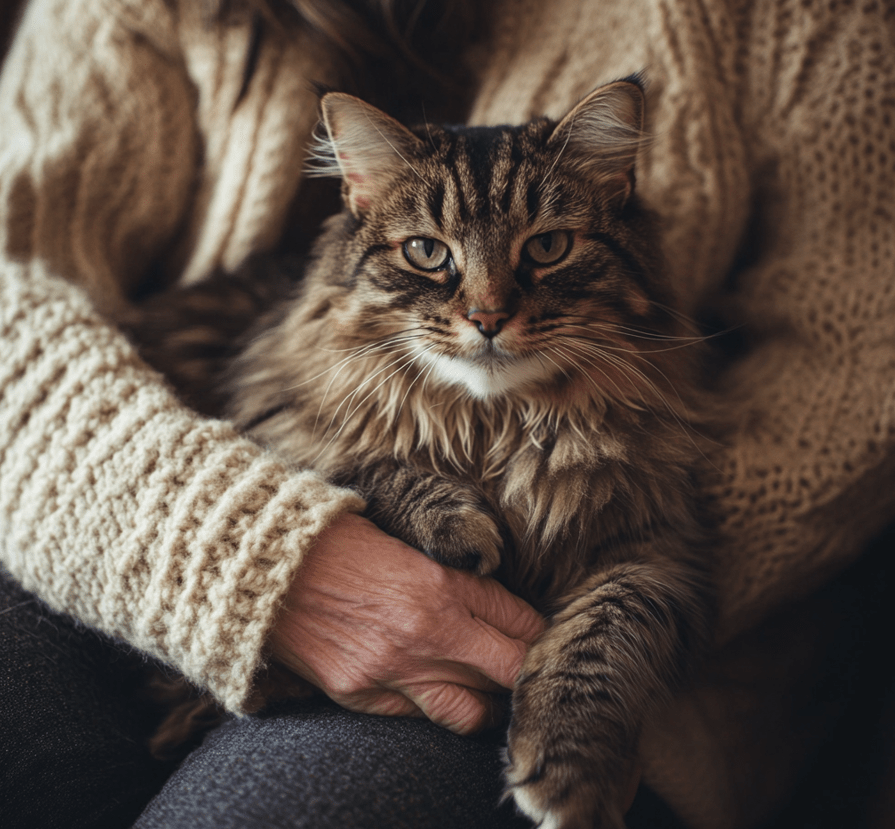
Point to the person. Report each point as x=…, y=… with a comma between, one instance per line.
x=156, y=141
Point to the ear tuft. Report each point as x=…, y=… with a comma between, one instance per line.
x=603, y=134
x=363, y=146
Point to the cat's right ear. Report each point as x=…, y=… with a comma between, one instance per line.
x=362, y=145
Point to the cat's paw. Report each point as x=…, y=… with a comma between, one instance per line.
x=562, y=770
x=462, y=535
x=561, y=792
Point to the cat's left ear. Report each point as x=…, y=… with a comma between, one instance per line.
x=364, y=146
x=602, y=134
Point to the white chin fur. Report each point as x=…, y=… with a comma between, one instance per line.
x=484, y=381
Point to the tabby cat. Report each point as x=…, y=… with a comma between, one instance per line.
x=485, y=346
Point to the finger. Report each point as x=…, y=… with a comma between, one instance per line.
x=502, y=610
x=451, y=671
x=382, y=703
x=487, y=651
x=455, y=707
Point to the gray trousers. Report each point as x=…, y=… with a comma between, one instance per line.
x=313, y=764
x=74, y=725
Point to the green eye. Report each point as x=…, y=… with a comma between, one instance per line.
x=548, y=248
x=427, y=254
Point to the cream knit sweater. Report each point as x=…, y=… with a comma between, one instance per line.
x=126, y=150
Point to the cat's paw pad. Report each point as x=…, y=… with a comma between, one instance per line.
x=465, y=537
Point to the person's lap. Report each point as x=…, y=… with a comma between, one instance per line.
x=310, y=763
x=73, y=752
x=73, y=735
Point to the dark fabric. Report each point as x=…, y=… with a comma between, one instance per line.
x=312, y=764
x=72, y=738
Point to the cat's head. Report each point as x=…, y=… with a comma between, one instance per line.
x=501, y=259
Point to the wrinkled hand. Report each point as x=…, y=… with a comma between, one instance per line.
x=384, y=630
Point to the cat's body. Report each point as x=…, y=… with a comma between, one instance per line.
x=483, y=346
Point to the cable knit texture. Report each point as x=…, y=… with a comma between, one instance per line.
x=121, y=507
x=131, y=149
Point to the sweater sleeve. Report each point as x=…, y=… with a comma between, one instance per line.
x=124, y=509
x=117, y=504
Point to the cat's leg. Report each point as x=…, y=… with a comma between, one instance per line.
x=446, y=519
x=617, y=650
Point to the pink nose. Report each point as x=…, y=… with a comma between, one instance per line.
x=488, y=322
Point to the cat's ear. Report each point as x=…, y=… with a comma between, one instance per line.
x=602, y=134
x=362, y=145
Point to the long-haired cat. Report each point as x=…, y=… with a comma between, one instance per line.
x=485, y=346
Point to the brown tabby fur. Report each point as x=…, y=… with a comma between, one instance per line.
x=530, y=421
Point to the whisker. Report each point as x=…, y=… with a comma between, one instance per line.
x=358, y=407
x=359, y=352
x=638, y=333
x=414, y=382
x=636, y=374
x=349, y=398
x=623, y=350
x=395, y=334
x=383, y=350
x=601, y=392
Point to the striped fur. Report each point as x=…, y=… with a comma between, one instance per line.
x=531, y=421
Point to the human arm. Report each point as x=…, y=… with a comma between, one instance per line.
x=803, y=483
x=118, y=504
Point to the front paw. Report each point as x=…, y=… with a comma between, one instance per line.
x=461, y=534
x=560, y=772
x=449, y=520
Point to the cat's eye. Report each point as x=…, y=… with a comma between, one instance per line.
x=427, y=254
x=548, y=248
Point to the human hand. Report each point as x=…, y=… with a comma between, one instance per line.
x=384, y=630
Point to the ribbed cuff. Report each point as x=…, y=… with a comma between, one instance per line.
x=120, y=506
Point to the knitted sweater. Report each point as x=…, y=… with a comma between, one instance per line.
x=132, y=149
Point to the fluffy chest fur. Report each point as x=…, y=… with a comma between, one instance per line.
x=569, y=470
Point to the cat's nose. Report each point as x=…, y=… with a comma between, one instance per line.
x=489, y=323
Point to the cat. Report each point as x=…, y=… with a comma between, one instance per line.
x=485, y=345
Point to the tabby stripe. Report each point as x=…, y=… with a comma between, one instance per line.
x=462, y=208
x=267, y=415
x=619, y=251
x=367, y=254
x=533, y=200
x=436, y=203
x=575, y=696
x=506, y=200
x=586, y=656
x=481, y=172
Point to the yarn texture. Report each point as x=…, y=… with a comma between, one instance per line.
x=136, y=149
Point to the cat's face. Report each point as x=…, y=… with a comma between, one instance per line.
x=499, y=257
